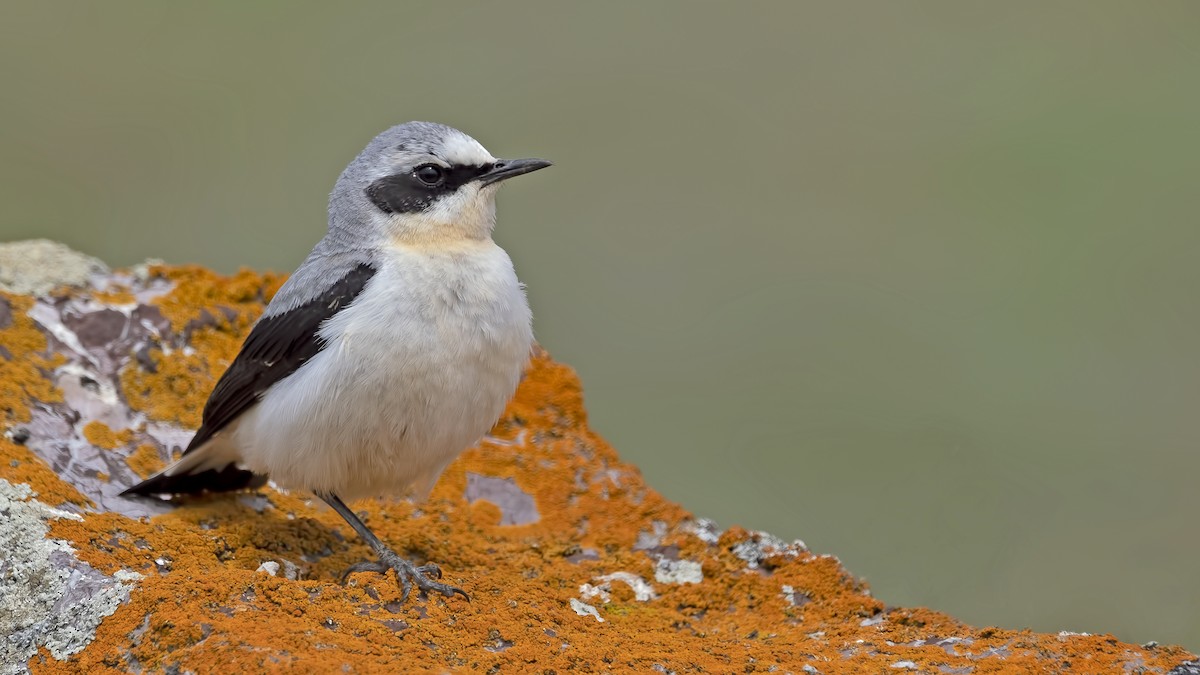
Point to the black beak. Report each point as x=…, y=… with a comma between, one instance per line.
x=504, y=169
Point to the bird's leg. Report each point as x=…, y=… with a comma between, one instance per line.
x=408, y=574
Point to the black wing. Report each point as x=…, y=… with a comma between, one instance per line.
x=276, y=347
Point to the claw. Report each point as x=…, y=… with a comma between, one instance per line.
x=406, y=585
x=407, y=575
x=365, y=566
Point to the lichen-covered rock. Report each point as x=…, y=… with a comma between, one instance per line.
x=572, y=562
x=36, y=266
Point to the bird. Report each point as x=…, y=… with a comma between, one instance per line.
x=394, y=346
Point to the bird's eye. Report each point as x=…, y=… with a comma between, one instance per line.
x=429, y=174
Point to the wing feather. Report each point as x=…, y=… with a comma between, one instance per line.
x=276, y=347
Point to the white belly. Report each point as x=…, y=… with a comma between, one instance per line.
x=416, y=370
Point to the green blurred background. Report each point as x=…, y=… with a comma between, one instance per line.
x=915, y=282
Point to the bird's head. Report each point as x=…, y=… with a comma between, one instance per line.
x=422, y=183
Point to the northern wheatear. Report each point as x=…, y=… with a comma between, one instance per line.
x=392, y=348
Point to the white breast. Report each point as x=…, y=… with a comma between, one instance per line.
x=416, y=370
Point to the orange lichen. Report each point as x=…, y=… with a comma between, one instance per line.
x=19, y=465
x=25, y=377
x=145, y=460
x=23, y=371
x=203, y=607
x=120, y=296
x=198, y=289
x=217, y=312
x=100, y=435
x=176, y=390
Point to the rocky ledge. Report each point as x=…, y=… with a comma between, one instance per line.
x=572, y=561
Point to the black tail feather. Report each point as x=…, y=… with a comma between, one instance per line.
x=228, y=479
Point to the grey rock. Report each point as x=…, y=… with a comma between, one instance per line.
x=517, y=507
x=37, y=266
x=48, y=597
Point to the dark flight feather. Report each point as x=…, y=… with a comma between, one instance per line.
x=227, y=479
x=276, y=347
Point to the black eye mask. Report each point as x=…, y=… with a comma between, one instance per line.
x=417, y=190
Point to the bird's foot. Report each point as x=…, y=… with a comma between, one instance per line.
x=424, y=577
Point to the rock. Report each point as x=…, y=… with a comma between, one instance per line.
x=37, y=266
x=571, y=560
x=270, y=567
x=48, y=597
